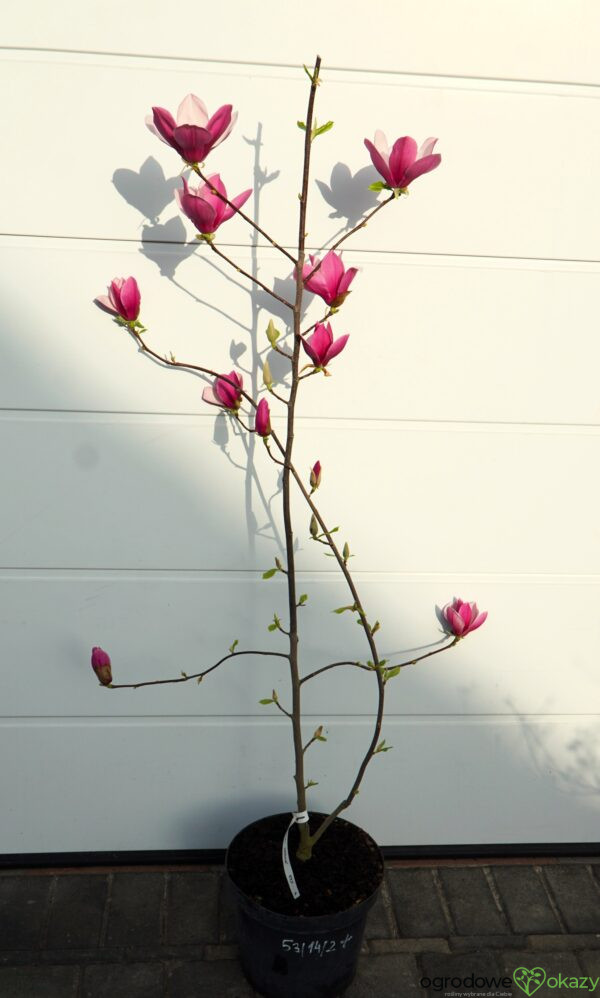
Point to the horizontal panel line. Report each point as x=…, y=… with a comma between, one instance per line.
x=258, y=720
x=470, y=425
x=122, y=574
x=246, y=247
x=379, y=71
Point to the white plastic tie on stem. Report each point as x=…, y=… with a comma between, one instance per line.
x=298, y=818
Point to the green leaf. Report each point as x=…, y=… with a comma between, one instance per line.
x=302, y=599
x=391, y=673
x=311, y=783
x=341, y=609
x=321, y=129
x=272, y=627
x=375, y=627
x=382, y=747
x=184, y=674
x=321, y=738
x=266, y=700
x=233, y=646
x=379, y=185
x=334, y=530
x=301, y=124
x=269, y=573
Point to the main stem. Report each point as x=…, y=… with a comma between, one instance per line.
x=305, y=846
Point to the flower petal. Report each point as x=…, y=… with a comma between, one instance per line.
x=421, y=166
x=104, y=302
x=164, y=122
x=426, y=148
x=192, y=142
x=403, y=155
x=380, y=164
x=336, y=347
x=192, y=111
x=220, y=123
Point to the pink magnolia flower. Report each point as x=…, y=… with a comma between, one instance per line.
x=204, y=208
x=315, y=476
x=101, y=666
x=193, y=135
x=262, y=420
x=225, y=394
x=460, y=618
x=321, y=346
x=123, y=298
x=331, y=281
x=404, y=163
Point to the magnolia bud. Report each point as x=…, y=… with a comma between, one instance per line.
x=267, y=377
x=315, y=476
x=101, y=666
x=314, y=526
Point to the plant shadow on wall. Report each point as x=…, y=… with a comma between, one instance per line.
x=349, y=195
x=164, y=243
x=571, y=762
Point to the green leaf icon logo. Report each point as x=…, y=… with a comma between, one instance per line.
x=529, y=980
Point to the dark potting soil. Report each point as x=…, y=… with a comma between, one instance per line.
x=344, y=869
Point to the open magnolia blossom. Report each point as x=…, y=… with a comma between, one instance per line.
x=404, y=163
x=331, y=281
x=321, y=346
x=193, y=135
x=123, y=298
x=461, y=618
x=225, y=394
x=203, y=206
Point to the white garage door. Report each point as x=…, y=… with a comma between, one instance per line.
x=458, y=435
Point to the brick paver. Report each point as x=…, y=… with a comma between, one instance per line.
x=171, y=933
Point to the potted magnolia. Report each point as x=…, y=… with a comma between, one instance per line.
x=304, y=881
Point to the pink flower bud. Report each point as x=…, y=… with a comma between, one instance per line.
x=321, y=346
x=206, y=209
x=459, y=618
x=123, y=299
x=315, y=476
x=225, y=394
x=404, y=163
x=193, y=135
x=262, y=420
x=101, y=666
x=331, y=280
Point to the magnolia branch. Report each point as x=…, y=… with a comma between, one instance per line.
x=185, y=678
x=243, y=215
x=254, y=280
x=361, y=225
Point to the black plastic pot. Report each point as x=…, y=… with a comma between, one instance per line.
x=293, y=956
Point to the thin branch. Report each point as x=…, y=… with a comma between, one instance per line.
x=282, y=709
x=189, y=367
x=413, y=661
x=347, y=235
x=196, y=675
x=242, y=214
x=254, y=280
x=334, y=665
x=328, y=314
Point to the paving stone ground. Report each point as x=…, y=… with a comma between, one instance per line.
x=456, y=928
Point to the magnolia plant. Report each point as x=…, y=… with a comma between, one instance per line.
x=193, y=136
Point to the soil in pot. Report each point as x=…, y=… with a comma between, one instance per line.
x=344, y=870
